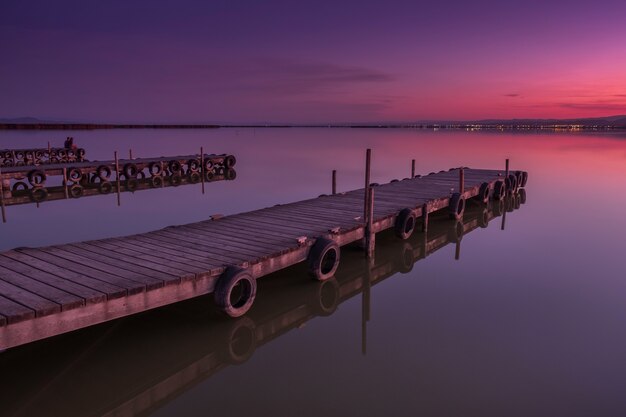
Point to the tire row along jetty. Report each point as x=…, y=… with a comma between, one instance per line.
x=189, y=345
x=51, y=290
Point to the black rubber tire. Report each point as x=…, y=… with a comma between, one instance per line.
x=104, y=172
x=499, y=190
x=155, y=169
x=74, y=175
x=37, y=178
x=241, y=341
x=524, y=179
x=130, y=170
x=19, y=186
x=327, y=297
x=324, y=259
x=193, y=165
x=511, y=183
x=230, y=161
x=76, y=191
x=105, y=187
x=457, y=206
x=7, y=162
x=483, y=192
x=208, y=165
x=175, y=167
x=38, y=194
x=80, y=153
x=230, y=174
x=238, y=282
x=405, y=223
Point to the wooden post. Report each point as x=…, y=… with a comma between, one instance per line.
x=49, y=151
x=117, y=178
x=4, y=215
x=202, y=173
x=461, y=180
x=130, y=154
x=334, y=189
x=412, y=168
x=65, y=182
x=368, y=160
x=366, y=304
x=425, y=217
x=503, y=219
x=370, y=237
x=506, y=172
x=457, y=251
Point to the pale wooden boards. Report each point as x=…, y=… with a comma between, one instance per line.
x=44, y=281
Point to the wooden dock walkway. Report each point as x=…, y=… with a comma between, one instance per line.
x=188, y=347
x=51, y=290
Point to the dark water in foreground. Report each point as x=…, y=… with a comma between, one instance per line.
x=528, y=321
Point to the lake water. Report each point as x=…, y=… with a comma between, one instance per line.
x=529, y=320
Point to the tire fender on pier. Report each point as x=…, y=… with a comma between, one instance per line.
x=483, y=192
x=457, y=206
x=323, y=259
x=37, y=178
x=235, y=292
x=498, y=190
x=405, y=223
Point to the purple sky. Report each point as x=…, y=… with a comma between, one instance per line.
x=302, y=62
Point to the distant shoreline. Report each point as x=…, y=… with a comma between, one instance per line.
x=473, y=126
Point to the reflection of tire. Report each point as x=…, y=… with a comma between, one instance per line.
x=76, y=191
x=405, y=260
x=323, y=259
x=327, y=297
x=230, y=174
x=176, y=180
x=194, y=177
x=522, y=195
x=105, y=187
x=456, y=232
x=131, y=185
x=241, y=341
x=405, y=223
x=38, y=194
x=483, y=219
x=156, y=181
x=20, y=186
x=457, y=206
x=498, y=207
x=235, y=292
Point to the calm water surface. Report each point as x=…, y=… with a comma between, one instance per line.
x=530, y=320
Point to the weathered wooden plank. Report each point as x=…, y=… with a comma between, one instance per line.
x=41, y=306
x=12, y=312
x=87, y=294
x=65, y=300
x=111, y=291
x=131, y=287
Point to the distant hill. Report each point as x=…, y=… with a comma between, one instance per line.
x=614, y=121
x=22, y=120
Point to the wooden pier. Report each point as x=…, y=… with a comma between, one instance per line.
x=40, y=156
x=52, y=290
x=188, y=346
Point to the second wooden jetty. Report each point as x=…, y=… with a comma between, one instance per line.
x=51, y=290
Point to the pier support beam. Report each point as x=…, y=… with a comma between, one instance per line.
x=412, y=168
x=117, y=179
x=370, y=236
x=334, y=180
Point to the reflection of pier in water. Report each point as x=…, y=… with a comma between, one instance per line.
x=135, y=365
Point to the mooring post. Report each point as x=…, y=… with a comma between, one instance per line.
x=130, y=154
x=369, y=230
x=117, y=178
x=367, y=189
x=461, y=180
x=425, y=218
x=202, y=166
x=65, y=182
x=412, y=168
x=503, y=218
x=334, y=189
x=49, y=151
x=506, y=170
x=457, y=251
x=4, y=216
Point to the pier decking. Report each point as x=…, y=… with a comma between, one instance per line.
x=52, y=290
